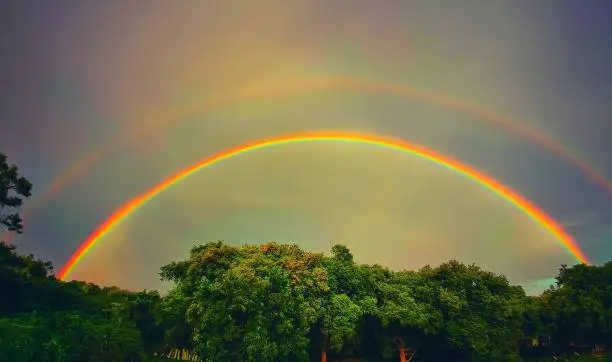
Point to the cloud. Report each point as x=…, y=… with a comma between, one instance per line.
x=587, y=218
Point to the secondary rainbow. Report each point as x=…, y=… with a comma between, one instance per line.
x=291, y=87
x=487, y=182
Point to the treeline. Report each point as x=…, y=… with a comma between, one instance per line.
x=44, y=319
x=276, y=302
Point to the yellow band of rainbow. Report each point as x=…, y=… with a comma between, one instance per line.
x=487, y=182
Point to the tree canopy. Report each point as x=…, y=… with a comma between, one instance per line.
x=13, y=190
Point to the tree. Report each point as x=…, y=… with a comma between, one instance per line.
x=26, y=279
x=68, y=336
x=337, y=322
x=45, y=319
x=348, y=300
x=482, y=312
x=404, y=316
x=581, y=306
x=250, y=303
x=13, y=190
x=144, y=310
x=178, y=332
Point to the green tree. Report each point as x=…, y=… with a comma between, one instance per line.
x=178, y=332
x=250, y=303
x=68, y=336
x=344, y=304
x=482, y=312
x=337, y=322
x=45, y=319
x=27, y=280
x=404, y=317
x=581, y=307
x=13, y=190
x=145, y=312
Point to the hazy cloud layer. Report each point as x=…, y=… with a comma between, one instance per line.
x=78, y=78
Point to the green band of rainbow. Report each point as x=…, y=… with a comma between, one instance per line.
x=506, y=193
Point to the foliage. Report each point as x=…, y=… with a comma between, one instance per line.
x=277, y=302
x=68, y=336
x=255, y=303
x=13, y=190
x=235, y=299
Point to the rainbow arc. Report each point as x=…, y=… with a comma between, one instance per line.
x=487, y=182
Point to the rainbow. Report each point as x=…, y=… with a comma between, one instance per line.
x=513, y=198
x=288, y=88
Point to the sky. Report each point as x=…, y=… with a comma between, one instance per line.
x=134, y=93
